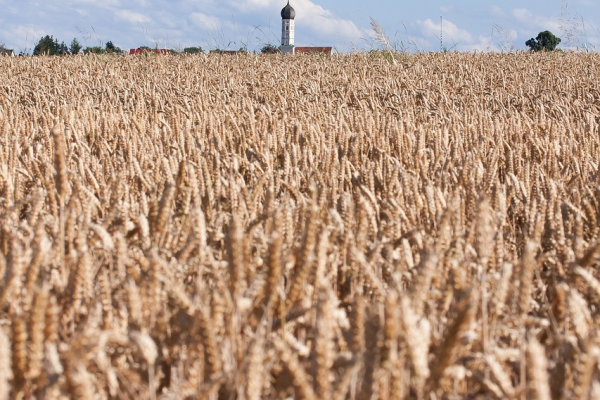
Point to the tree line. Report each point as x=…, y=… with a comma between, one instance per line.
x=48, y=45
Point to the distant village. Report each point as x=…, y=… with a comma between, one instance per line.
x=49, y=45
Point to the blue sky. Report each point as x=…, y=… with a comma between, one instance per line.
x=345, y=24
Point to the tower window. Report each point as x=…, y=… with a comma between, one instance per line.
x=287, y=28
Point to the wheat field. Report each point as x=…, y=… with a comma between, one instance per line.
x=267, y=227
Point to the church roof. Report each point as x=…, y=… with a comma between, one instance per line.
x=288, y=12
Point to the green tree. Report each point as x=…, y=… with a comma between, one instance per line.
x=544, y=41
x=47, y=45
x=193, y=50
x=111, y=48
x=63, y=49
x=94, y=50
x=75, y=46
x=269, y=49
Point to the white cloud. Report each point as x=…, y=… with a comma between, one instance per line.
x=169, y=20
x=332, y=27
x=450, y=32
x=251, y=5
x=319, y=21
x=132, y=17
x=417, y=43
x=199, y=3
x=97, y=3
x=323, y=22
x=496, y=10
x=26, y=35
x=587, y=3
x=521, y=13
x=483, y=43
x=10, y=9
x=536, y=21
x=205, y=22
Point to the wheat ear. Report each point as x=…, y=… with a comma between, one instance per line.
x=537, y=366
x=446, y=351
x=5, y=366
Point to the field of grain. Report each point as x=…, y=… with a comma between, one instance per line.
x=266, y=227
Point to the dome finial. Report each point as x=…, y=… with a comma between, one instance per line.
x=288, y=12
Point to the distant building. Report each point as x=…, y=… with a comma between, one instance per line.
x=288, y=15
x=7, y=52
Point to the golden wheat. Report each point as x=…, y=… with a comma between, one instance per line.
x=269, y=227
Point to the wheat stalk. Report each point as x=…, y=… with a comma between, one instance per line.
x=380, y=37
x=193, y=231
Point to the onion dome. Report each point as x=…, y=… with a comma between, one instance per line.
x=288, y=12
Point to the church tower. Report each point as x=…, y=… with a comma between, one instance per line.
x=287, y=29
